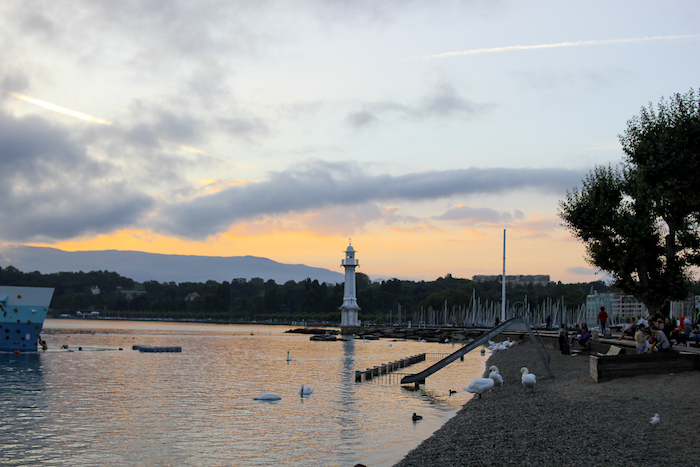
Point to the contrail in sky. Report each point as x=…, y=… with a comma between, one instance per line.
x=90, y=118
x=63, y=110
x=560, y=44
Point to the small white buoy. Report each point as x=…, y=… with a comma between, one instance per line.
x=655, y=420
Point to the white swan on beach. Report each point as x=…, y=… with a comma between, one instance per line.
x=305, y=390
x=495, y=376
x=268, y=397
x=528, y=379
x=480, y=385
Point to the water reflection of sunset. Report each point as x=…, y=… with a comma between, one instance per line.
x=125, y=407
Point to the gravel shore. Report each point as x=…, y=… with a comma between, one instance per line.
x=569, y=420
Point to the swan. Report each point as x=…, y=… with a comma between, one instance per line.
x=495, y=376
x=655, y=420
x=480, y=385
x=528, y=379
x=305, y=390
x=268, y=397
x=452, y=392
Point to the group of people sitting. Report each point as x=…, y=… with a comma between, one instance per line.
x=650, y=334
x=661, y=331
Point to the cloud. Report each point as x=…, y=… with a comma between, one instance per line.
x=472, y=215
x=318, y=185
x=52, y=189
x=581, y=271
x=513, y=48
x=444, y=101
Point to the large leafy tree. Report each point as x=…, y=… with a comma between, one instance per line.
x=639, y=221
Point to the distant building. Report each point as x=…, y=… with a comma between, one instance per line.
x=190, y=297
x=620, y=307
x=623, y=307
x=540, y=279
x=131, y=294
x=95, y=290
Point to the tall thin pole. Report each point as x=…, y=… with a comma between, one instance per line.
x=503, y=285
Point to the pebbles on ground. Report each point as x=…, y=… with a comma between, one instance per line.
x=569, y=420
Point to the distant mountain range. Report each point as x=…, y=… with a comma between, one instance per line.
x=143, y=267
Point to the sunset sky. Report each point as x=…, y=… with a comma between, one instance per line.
x=420, y=129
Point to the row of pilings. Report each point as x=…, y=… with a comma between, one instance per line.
x=386, y=368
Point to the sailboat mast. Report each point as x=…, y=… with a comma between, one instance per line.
x=503, y=282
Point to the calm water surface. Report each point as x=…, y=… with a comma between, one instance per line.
x=102, y=406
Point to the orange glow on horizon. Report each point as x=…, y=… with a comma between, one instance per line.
x=423, y=255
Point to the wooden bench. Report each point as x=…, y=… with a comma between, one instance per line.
x=607, y=367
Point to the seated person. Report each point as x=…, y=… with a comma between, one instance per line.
x=629, y=330
x=694, y=336
x=584, y=339
x=673, y=335
x=640, y=339
x=662, y=344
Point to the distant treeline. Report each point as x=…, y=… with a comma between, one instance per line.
x=259, y=300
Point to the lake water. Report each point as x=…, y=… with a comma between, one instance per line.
x=102, y=406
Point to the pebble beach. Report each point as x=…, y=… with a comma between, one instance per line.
x=570, y=419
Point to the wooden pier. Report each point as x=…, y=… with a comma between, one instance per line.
x=387, y=368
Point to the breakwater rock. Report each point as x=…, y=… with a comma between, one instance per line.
x=428, y=334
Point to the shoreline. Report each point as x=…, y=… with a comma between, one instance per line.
x=568, y=420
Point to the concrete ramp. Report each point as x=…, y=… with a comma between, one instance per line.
x=514, y=324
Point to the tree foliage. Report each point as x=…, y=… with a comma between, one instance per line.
x=639, y=221
x=267, y=301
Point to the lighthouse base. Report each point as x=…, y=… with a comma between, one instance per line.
x=349, y=317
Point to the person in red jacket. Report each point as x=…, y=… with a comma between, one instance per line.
x=603, y=318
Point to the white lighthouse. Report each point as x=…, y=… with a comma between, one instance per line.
x=349, y=309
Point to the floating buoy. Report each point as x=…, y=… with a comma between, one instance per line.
x=671, y=374
x=268, y=397
x=16, y=352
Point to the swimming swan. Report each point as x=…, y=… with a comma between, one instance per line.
x=495, y=376
x=480, y=385
x=305, y=390
x=268, y=397
x=528, y=379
